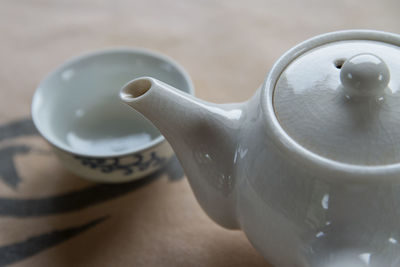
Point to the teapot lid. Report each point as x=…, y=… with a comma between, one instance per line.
x=341, y=99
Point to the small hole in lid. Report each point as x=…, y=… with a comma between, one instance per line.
x=339, y=63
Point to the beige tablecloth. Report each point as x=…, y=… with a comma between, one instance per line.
x=49, y=217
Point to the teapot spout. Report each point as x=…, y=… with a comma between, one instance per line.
x=203, y=136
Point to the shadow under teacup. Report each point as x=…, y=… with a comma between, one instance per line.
x=77, y=110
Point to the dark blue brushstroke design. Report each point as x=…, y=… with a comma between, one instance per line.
x=79, y=199
x=108, y=165
x=8, y=172
x=57, y=204
x=18, y=251
x=18, y=128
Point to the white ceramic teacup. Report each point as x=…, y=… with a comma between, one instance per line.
x=77, y=110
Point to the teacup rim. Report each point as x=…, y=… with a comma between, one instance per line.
x=99, y=52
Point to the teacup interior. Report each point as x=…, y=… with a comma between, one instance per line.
x=78, y=109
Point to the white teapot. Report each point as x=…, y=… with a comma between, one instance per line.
x=309, y=167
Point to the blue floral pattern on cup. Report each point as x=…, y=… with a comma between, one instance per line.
x=128, y=165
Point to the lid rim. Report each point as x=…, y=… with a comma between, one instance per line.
x=290, y=145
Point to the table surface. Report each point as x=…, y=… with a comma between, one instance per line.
x=49, y=217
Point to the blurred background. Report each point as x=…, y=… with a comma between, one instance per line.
x=226, y=46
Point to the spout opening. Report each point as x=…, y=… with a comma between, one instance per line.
x=135, y=89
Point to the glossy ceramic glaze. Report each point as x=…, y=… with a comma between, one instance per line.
x=350, y=120
x=297, y=206
x=77, y=109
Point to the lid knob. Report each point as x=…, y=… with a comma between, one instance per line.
x=364, y=75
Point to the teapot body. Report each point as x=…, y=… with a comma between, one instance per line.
x=299, y=206
x=300, y=214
